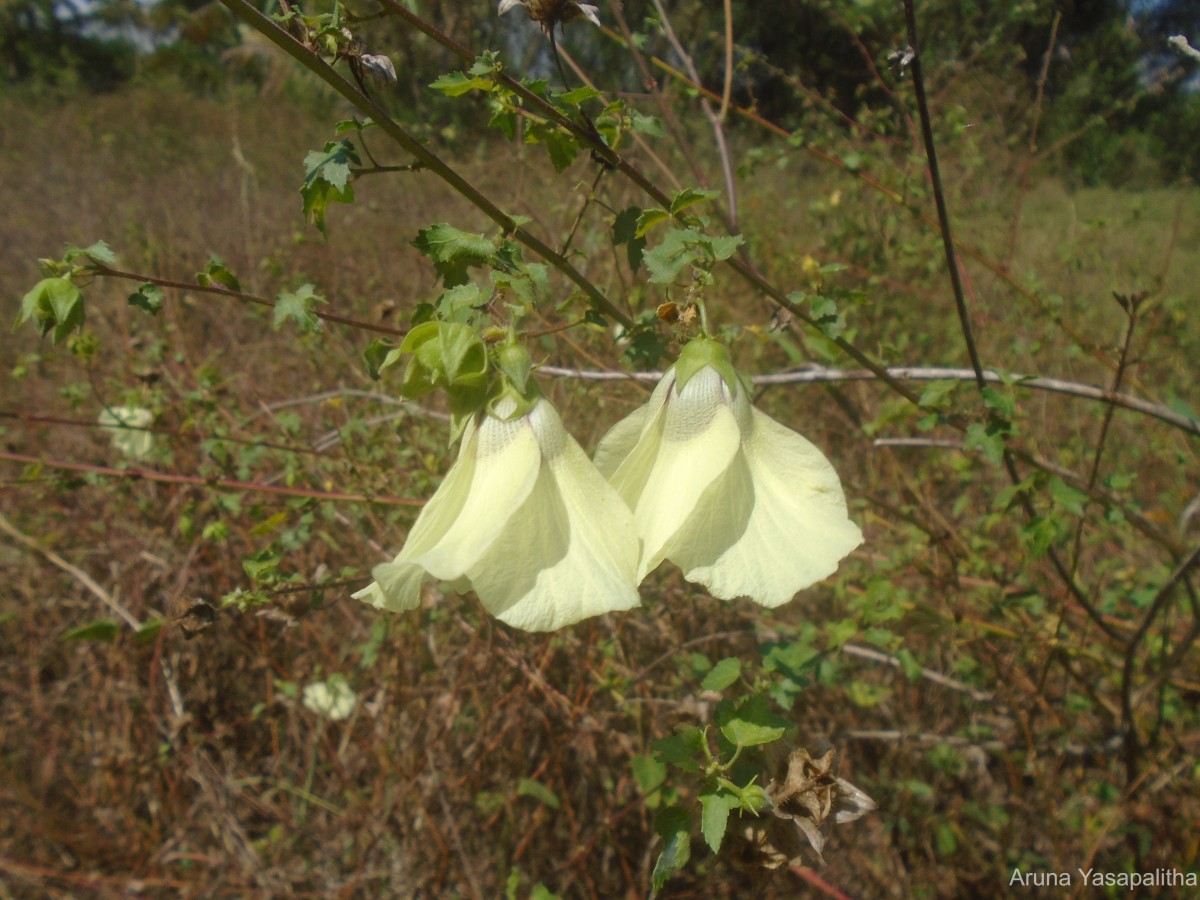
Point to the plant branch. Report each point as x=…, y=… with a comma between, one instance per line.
x=223, y=484
x=315, y=64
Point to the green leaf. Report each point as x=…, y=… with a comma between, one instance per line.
x=103, y=631
x=378, y=354
x=625, y=231
x=1067, y=497
x=577, y=96
x=262, y=564
x=867, y=694
x=527, y=787
x=937, y=394
x=297, y=306
x=666, y=260
x=55, y=305
x=1004, y=404
x=690, y=197
x=149, y=297
x=650, y=774
x=217, y=274
x=148, y=632
x=682, y=748
x=649, y=126
x=749, y=723
x=452, y=251
x=714, y=819
x=723, y=674
x=648, y=218
x=327, y=179
x=455, y=84
x=724, y=246
x=987, y=441
x=674, y=826
x=98, y=252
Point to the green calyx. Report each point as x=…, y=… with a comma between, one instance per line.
x=702, y=352
x=514, y=385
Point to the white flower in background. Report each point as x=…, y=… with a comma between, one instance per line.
x=127, y=426
x=525, y=520
x=549, y=13
x=740, y=503
x=334, y=699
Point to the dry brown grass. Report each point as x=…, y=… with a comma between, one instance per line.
x=182, y=766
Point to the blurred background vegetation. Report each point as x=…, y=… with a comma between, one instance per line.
x=156, y=638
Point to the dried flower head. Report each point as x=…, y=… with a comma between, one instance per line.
x=804, y=794
x=549, y=13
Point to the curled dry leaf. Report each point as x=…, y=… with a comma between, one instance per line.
x=805, y=795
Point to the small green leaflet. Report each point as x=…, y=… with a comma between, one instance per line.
x=690, y=197
x=455, y=84
x=217, y=274
x=674, y=826
x=55, y=305
x=749, y=723
x=714, y=819
x=100, y=630
x=297, y=306
x=527, y=787
x=99, y=253
x=149, y=297
x=723, y=674
x=327, y=179
x=625, y=231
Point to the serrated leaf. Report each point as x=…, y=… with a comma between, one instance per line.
x=649, y=773
x=674, y=826
x=722, y=675
x=750, y=722
x=297, y=306
x=99, y=630
x=374, y=355
x=528, y=787
x=1002, y=403
x=648, y=218
x=625, y=231
x=577, y=96
x=714, y=818
x=680, y=749
x=989, y=443
x=217, y=273
x=648, y=126
x=937, y=394
x=667, y=259
x=149, y=297
x=327, y=179
x=452, y=251
x=55, y=305
x=98, y=252
x=455, y=84
x=690, y=197
x=263, y=563
x=1067, y=497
